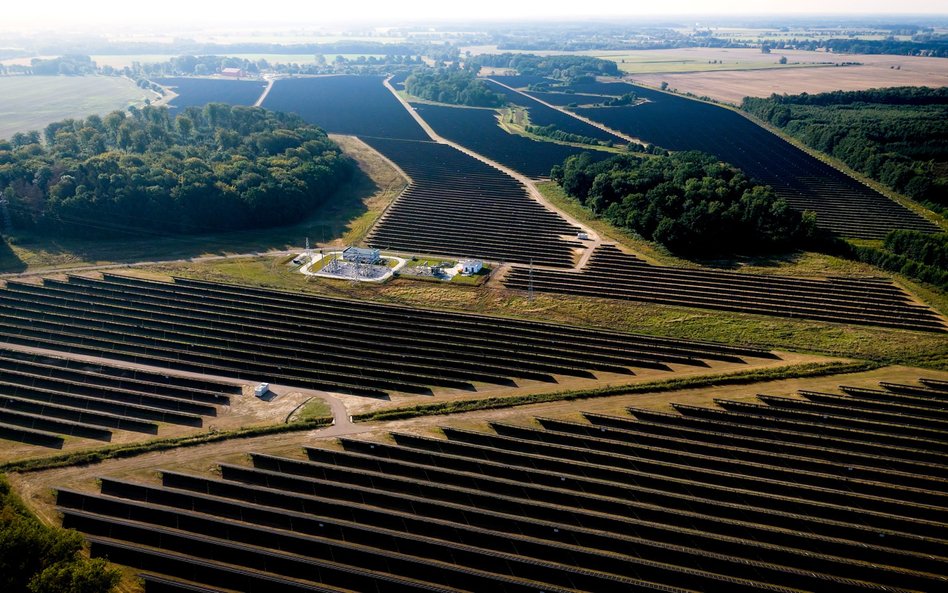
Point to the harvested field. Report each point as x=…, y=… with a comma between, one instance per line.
x=612, y=273
x=457, y=205
x=875, y=71
x=197, y=92
x=816, y=492
x=341, y=346
x=841, y=203
x=356, y=105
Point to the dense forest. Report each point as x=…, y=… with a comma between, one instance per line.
x=564, y=68
x=210, y=169
x=921, y=45
x=452, y=85
x=898, y=136
x=689, y=201
x=35, y=558
x=910, y=253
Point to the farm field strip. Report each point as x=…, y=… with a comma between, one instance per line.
x=611, y=273
x=43, y=399
x=717, y=498
x=342, y=346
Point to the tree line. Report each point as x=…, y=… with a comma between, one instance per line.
x=897, y=136
x=452, y=85
x=690, y=202
x=917, y=255
x=145, y=171
x=567, y=68
x=35, y=558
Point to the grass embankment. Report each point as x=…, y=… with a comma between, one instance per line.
x=889, y=346
x=344, y=220
x=515, y=120
x=739, y=378
x=131, y=450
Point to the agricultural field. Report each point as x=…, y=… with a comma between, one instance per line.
x=458, y=205
x=612, y=273
x=197, y=92
x=873, y=71
x=355, y=105
x=32, y=102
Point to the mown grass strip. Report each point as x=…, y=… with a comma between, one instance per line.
x=120, y=451
x=742, y=378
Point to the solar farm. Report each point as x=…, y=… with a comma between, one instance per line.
x=235, y=423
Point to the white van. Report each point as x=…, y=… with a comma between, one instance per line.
x=261, y=390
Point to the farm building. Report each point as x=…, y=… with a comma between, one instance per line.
x=232, y=72
x=470, y=266
x=359, y=255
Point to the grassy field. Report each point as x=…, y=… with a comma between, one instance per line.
x=32, y=102
x=345, y=220
x=806, y=336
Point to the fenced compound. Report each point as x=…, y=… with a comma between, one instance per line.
x=702, y=499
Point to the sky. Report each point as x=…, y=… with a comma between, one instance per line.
x=57, y=13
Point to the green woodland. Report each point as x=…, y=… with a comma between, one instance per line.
x=690, y=202
x=35, y=558
x=447, y=85
x=897, y=136
x=146, y=171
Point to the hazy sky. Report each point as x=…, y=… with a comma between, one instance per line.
x=33, y=13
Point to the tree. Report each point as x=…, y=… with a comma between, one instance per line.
x=783, y=59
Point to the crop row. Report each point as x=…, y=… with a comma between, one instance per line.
x=612, y=273
x=662, y=502
x=42, y=398
x=458, y=205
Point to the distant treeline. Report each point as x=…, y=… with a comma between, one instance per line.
x=68, y=65
x=452, y=85
x=928, y=45
x=210, y=169
x=566, y=68
x=897, y=136
x=35, y=558
x=689, y=202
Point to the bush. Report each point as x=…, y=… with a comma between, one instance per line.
x=690, y=202
x=41, y=559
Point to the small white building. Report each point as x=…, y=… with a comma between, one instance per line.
x=358, y=255
x=470, y=267
x=261, y=389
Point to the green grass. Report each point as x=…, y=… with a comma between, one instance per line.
x=741, y=378
x=32, y=102
x=314, y=409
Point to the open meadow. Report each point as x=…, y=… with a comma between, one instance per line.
x=31, y=102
